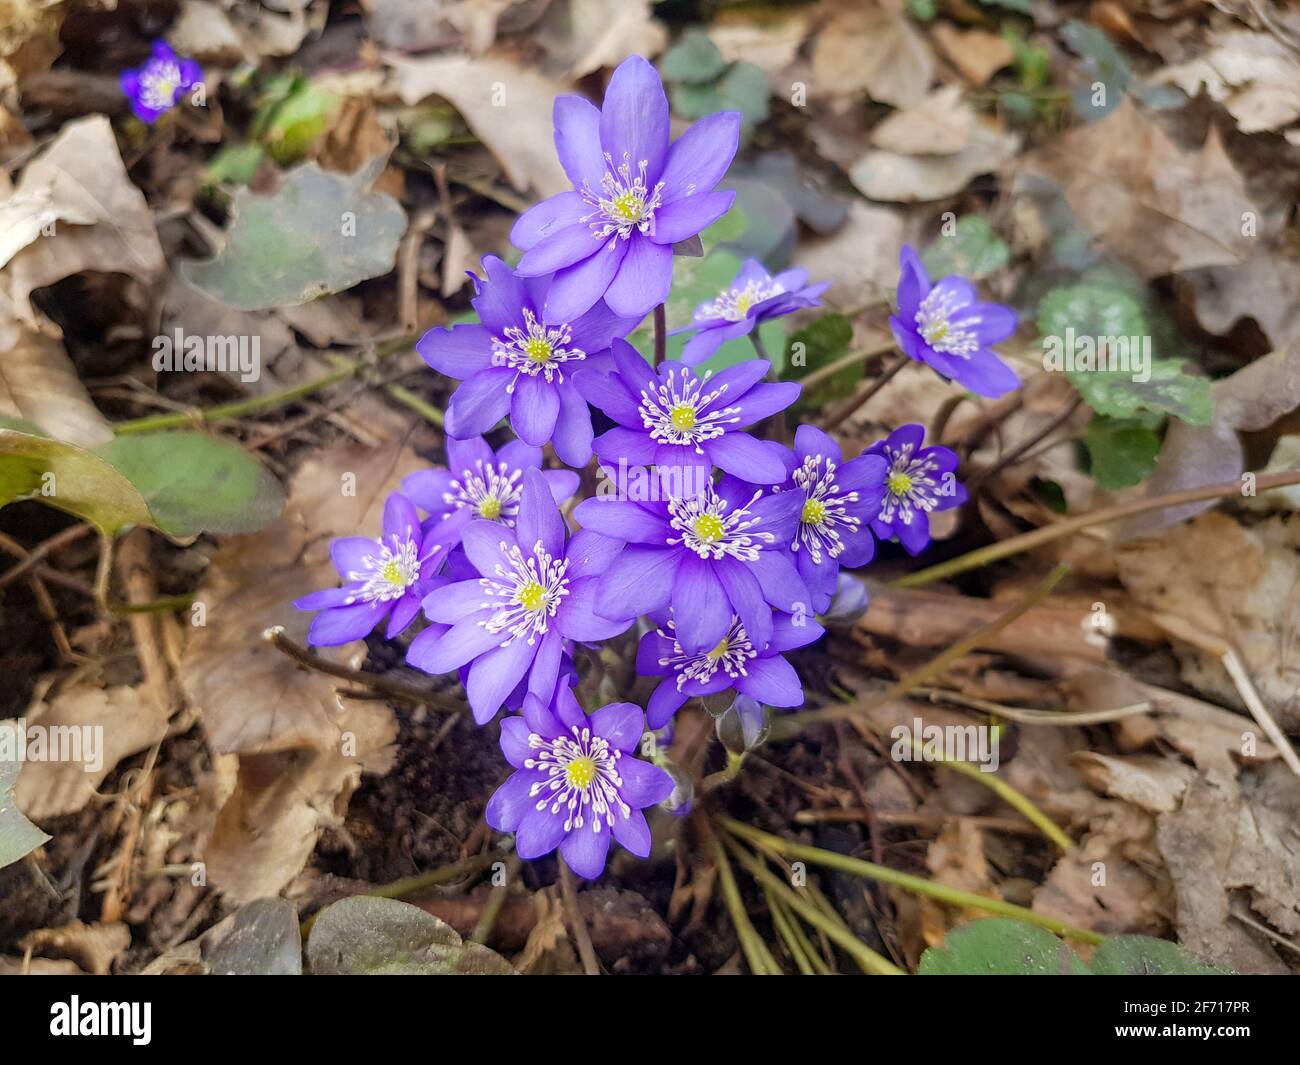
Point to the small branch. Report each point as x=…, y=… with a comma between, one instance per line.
x=1250, y=696
x=373, y=681
x=1027, y=716
x=40, y=551
x=791, y=723
x=858, y=402
x=1018, y=452
x=1038, y=537
x=825, y=373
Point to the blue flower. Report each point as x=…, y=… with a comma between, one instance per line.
x=156, y=86
x=920, y=480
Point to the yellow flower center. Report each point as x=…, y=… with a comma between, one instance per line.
x=709, y=528
x=814, y=512
x=537, y=349
x=392, y=574
x=683, y=417
x=532, y=596
x=630, y=206
x=724, y=645
x=490, y=508
x=899, y=484
x=580, y=772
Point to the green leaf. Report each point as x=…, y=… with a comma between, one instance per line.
x=694, y=60
x=1001, y=946
x=973, y=250
x=368, y=936
x=319, y=233
x=818, y=344
x=744, y=88
x=196, y=483
x=18, y=836
x=70, y=478
x=1123, y=451
x=261, y=938
x=292, y=114
x=1107, y=322
x=235, y=164
x=1102, y=63
x=1145, y=956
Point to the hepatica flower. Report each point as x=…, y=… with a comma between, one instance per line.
x=946, y=327
x=519, y=361
x=384, y=578
x=576, y=785
x=635, y=195
x=920, y=480
x=753, y=297
x=479, y=483
x=535, y=589
x=679, y=421
x=837, y=502
x=709, y=556
x=734, y=662
x=155, y=87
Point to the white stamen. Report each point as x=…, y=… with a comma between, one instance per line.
x=532, y=587
x=485, y=489
x=825, y=517
x=730, y=655
x=623, y=203
x=591, y=789
x=536, y=349
x=934, y=322
x=910, y=485
x=711, y=531
x=734, y=304
x=672, y=410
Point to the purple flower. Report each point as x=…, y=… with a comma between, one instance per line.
x=945, y=326
x=733, y=663
x=837, y=501
x=154, y=87
x=384, y=578
x=576, y=784
x=519, y=361
x=635, y=196
x=709, y=556
x=534, y=591
x=686, y=424
x=920, y=479
x=753, y=296
x=479, y=483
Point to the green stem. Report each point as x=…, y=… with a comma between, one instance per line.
x=661, y=334
x=872, y=871
x=761, y=962
x=255, y=404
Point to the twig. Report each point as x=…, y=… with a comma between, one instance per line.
x=577, y=926
x=825, y=373
x=1250, y=696
x=1027, y=716
x=28, y=559
x=492, y=908
x=858, y=402
x=1038, y=537
x=397, y=690
x=792, y=723
x=1016, y=453
x=661, y=334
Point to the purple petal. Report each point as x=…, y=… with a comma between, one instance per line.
x=700, y=606
x=404, y=612
x=665, y=701
x=348, y=553
x=508, y=805
x=639, y=582
x=700, y=156
x=572, y=434
x=762, y=401
x=634, y=118
x=620, y=723
x=746, y=457
x=546, y=219
x=539, y=516
x=564, y=247
x=745, y=596
x=575, y=289
x=643, y=784
x=479, y=403
x=485, y=542
x=534, y=409
x=633, y=832
x=494, y=675
x=458, y=352
x=577, y=618
x=772, y=681
x=690, y=215
x=454, y=602
x=462, y=643
x=623, y=520
x=502, y=297
x=577, y=140
x=514, y=741
x=626, y=446
x=343, y=624
x=401, y=519
x=585, y=849
x=539, y=833
x=643, y=279
x=781, y=583
x=913, y=282
x=591, y=554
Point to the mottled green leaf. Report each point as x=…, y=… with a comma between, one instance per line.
x=972, y=250
x=319, y=233
x=1145, y=956
x=196, y=483
x=1001, y=946
x=1122, y=452
x=694, y=59
x=368, y=936
x=818, y=344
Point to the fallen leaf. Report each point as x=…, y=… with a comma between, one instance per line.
x=94, y=947
x=583, y=36
x=204, y=32
x=977, y=54
x=105, y=725
x=39, y=385
x=941, y=124
x=507, y=107
x=862, y=256
x=876, y=52
x=1254, y=75
x=894, y=178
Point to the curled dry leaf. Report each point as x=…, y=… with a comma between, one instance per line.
x=1254, y=75
x=977, y=54
x=94, y=947
x=941, y=124
x=895, y=178
x=876, y=52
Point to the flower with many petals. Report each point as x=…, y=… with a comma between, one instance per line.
x=684, y=423
x=734, y=662
x=535, y=589
x=384, y=578
x=519, y=360
x=479, y=483
x=920, y=480
x=635, y=196
x=158, y=84
x=576, y=784
x=837, y=502
x=754, y=296
x=946, y=327
x=709, y=556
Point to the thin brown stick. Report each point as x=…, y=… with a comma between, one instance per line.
x=1019, y=451
x=858, y=402
x=28, y=559
x=577, y=925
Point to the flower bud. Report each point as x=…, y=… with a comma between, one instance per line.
x=743, y=727
x=849, y=602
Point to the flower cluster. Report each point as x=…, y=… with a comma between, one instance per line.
x=731, y=547
x=159, y=84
